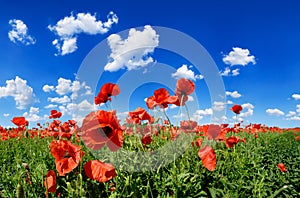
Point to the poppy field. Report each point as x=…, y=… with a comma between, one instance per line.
x=146, y=156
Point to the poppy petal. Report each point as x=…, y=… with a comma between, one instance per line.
x=208, y=157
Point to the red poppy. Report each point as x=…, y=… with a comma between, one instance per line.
x=208, y=157
x=50, y=181
x=188, y=125
x=281, y=167
x=147, y=139
x=99, y=171
x=212, y=131
x=161, y=98
x=236, y=109
x=140, y=114
x=106, y=91
x=197, y=142
x=231, y=141
x=100, y=128
x=20, y=121
x=297, y=137
x=55, y=114
x=184, y=87
x=67, y=155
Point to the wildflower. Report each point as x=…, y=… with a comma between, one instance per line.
x=99, y=171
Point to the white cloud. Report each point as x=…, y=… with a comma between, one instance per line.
x=19, y=33
x=69, y=46
x=291, y=113
x=235, y=72
x=66, y=86
x=218, y=106
x=48, y=88
x=190, y=98
x=248, y=113
x=204, y=112
x=229, y=102
x=239, y=56
x=248, y=110
x=85, y=106
x=20, y=91
x=229, y=72
x=184, y=72
x=234, y=94
x=50, y=106
x=296, y=96
x=247, y=106
x=68, y=29
x=226, y=72
x=6, y=114
x=32, y=116
x=275, y=111
x=172, y=106
x=294, y=118
x=132, y=52
x=60, y=100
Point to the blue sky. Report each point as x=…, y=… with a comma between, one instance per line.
x=45, y=46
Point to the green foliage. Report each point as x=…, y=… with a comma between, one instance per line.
x=246, y=170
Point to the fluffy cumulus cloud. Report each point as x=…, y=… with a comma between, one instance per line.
x=294, y=115
x=233, y=94
x=60, y=100
x=67, y=86
x=48, y=88
x=20, y=91
x=32, y=115
x=218, y=106
x=199, y=114
x=19, y=33
x=296, y=96
x=239, y=56
x=275, y=112
x=247, y=110
x=132, y=52
x=68, y=29
x=184, y=72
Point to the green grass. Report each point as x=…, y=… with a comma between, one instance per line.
x=246, y=170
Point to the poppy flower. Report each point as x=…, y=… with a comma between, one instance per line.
x=99, y=171
x=184, y=87
x=106, y=91
x=197, y=142
x=147, y=139
x=212, y=131
x=67, y=155
x=140, y=114
x=236, y=109
x=161, y=98
x=281, y=167
x=50, y=181
x=188, y=125
x=20, y=121
x=100, y=128
x=55, y=114
x=208, y=157
x=231, y=141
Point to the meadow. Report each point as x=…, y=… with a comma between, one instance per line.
x=61, y=159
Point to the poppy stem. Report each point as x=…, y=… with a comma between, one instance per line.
x=187, y=112
x=167, y=117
